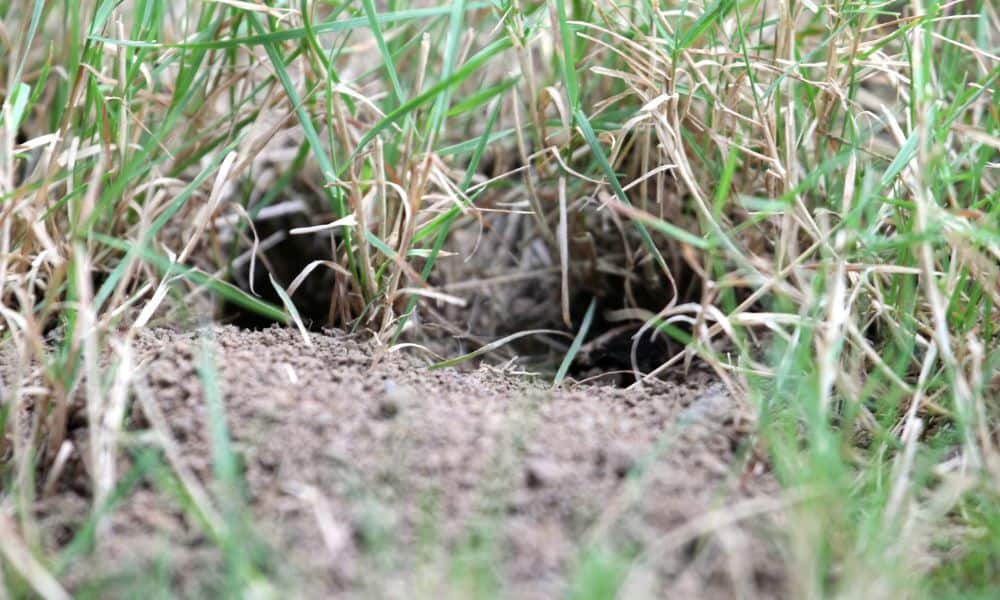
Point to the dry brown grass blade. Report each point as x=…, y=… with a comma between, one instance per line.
x=562, y=236
x=20, y=558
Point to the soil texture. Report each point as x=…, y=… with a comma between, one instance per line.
x=364, y=474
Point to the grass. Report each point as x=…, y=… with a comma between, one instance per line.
x=808, y=191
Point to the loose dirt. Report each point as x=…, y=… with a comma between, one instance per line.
x=385, y=479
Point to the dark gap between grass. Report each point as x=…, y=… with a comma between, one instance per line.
x=607, y=350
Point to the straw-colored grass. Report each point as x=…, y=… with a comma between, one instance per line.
x=808, y=191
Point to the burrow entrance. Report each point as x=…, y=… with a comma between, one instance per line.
x=507, y=302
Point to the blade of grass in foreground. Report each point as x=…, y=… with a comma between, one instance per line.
x=574, y=348
x=223, y=458
x=450, y=60
x=85, y=538
x=568, y=63
x=227, y=472
x=290, y=307
x=36, y=15
x=21, y=559
x=390, y=67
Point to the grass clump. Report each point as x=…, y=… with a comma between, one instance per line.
x=804, y=196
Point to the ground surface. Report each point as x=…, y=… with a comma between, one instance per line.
x=391, y=480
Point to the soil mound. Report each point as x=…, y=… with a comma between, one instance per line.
x=384, y=479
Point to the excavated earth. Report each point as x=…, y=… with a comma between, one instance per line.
x=364, y=474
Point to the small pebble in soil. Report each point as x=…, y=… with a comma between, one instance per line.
x=617, y=458
x=389, y=405
x=540, y=472
x=387, y=409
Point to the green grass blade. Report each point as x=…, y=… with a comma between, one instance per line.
x=568, y=63
x=574, y=348
x=290, y=308
x=602, y=160
x=293, y=33
x=443, y=97
x=387, y=60
x=460, y=75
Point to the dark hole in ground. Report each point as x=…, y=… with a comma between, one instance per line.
x=610, y=346
x=607, y=351
x=284, y=260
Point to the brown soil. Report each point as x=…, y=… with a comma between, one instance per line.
x=389, y=480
